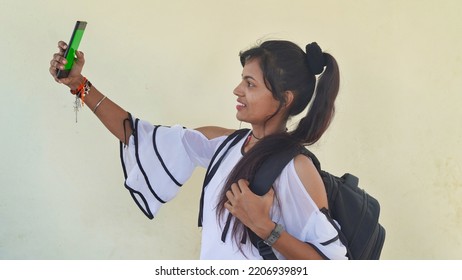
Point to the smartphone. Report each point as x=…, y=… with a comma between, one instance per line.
x=73, y=45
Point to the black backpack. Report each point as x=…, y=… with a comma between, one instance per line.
x=353, y=208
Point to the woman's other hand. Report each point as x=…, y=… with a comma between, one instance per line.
x=251, y=209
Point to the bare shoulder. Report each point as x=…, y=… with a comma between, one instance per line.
x=311, y=180
x=214, y=131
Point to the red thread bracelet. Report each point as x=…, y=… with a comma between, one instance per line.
x=82, y=90
x=80, y=87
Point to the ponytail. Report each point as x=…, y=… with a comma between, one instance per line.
x=322, y=109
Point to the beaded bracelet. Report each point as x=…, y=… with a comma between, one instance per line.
x=80, y=92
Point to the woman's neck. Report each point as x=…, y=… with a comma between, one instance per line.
x=260, y=131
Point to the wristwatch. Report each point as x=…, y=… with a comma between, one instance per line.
x=275, y=234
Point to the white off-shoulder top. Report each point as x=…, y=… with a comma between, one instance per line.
x=158, y=160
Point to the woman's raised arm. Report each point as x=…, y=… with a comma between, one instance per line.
x=110, y=114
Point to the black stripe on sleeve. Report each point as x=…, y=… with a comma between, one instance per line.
x=146, y=211
x=122, y=160
x=160, y=157
x=330, y=241
x=141, y=167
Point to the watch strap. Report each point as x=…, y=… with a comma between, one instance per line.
x=274, y=235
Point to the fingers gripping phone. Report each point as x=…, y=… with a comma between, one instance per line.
x=73, y=45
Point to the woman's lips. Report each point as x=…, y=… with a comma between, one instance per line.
x=240, y=105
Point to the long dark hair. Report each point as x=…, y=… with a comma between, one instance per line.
x=286, y=67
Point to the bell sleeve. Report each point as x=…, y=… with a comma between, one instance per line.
x=158, y=160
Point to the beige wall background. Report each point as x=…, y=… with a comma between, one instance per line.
x=398, y=121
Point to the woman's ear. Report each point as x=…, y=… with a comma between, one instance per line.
x=289, y=98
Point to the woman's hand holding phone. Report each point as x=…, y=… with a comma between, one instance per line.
x=75, y=77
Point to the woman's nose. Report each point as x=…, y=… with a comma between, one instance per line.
x=237, y=91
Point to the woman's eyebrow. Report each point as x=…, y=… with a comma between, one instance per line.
x=248, y=78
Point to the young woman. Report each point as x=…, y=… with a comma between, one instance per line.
x=278, y=82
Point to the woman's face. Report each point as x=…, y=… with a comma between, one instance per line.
x=255, y=102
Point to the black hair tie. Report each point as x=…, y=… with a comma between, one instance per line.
x=315, y=57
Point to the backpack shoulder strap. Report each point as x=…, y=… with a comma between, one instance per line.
x=270, y=169
x=230, y=141
x=262, y=181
